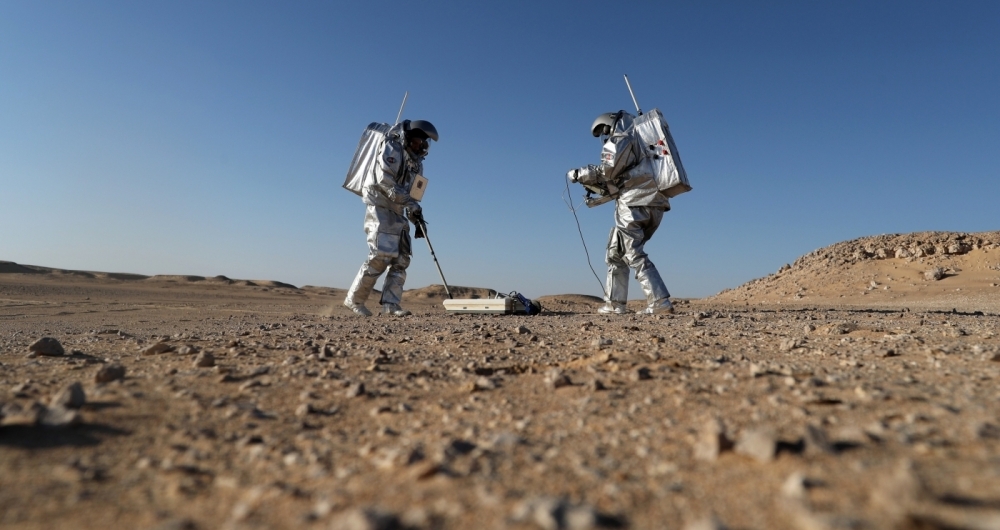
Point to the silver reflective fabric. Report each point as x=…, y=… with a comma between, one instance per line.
x=365, y=157
x=622, y=172
x=388, y=235
x=386, y=227
x=628, y=163
x=392, y=175
x=634, y=225
x=660, y=153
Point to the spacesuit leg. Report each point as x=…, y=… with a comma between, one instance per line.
x=382, y=249
x=392, y=290
x=640, y=224
x=617, y=282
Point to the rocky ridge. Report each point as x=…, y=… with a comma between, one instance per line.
x=884, y=262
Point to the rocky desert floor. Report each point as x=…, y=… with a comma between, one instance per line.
x=855, y=388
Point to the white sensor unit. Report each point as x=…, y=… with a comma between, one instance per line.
x=418, y=187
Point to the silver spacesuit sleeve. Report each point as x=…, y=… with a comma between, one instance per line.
x=617, y=156
x=390, y=168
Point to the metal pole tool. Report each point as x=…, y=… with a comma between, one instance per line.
x=423, y=226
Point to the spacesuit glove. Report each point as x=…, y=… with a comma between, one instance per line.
x=590, y=174
x=572, y=175
x=414, y=213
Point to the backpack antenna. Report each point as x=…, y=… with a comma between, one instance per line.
x=400, y=115
x=634, y=102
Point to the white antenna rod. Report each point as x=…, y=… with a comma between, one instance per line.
x=400, y=115
x=634, y=102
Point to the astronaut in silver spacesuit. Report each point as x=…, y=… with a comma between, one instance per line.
x=639, y=207
x=388, y=205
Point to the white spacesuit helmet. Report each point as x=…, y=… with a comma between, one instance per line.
x=603, y=124
x=423, y=130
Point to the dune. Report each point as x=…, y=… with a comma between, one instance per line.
x=437, y=292
x=274, y=284
x=924, y=269
x=570, y=299
x=175, y=278
x=124, y=276
x=9, y=267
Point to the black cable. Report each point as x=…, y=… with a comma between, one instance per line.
x=568, y=199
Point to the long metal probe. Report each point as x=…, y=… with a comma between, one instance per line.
x=400, y=115
x=427, y=238
x=634, y=102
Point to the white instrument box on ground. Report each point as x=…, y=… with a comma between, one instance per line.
x=490, y=306
x=501, y=305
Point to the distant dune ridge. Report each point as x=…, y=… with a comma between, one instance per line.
x=922, y=268
x=9, y=267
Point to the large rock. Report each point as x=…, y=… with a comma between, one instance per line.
x=71, y=396
x=47, y=346
x=109, y=373
x=759, y=444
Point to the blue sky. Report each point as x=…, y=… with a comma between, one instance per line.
x=213, y=137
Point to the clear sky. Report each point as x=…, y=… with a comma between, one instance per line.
x=191, y=137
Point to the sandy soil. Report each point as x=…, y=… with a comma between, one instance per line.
x=809, y=399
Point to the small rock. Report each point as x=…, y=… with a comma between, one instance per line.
x=794, y=486
x=177, y=524
x=640, y=374
x=366, y=519
x=59, y=417
x=521, y=330
x=15, y=414
x=988, y=431
x=789, y=344
x=109, y=373
x=934, y=274
x=712, y=441
x=204, y=359
x=484, y=383
x=759, y=444
x=596, y=385
x=560, y=514
x=304, y=410
x=600, y=343
x=157, y=348
x=71, y=396
x=47, y=346
x=817, y=441
x=355, y=390
x=555, y=378
x=253, y=383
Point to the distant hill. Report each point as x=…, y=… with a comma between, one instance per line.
x=921, y=269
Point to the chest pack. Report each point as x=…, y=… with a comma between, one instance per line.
x=659, y=151
x=365, y=157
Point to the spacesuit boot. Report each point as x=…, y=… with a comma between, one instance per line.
x=395, y=310
x=657, y=295
x=359, y=291
x=392, y=290
x=617, y=287
x=612, y=308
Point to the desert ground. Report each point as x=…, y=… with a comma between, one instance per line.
x=853, y=388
